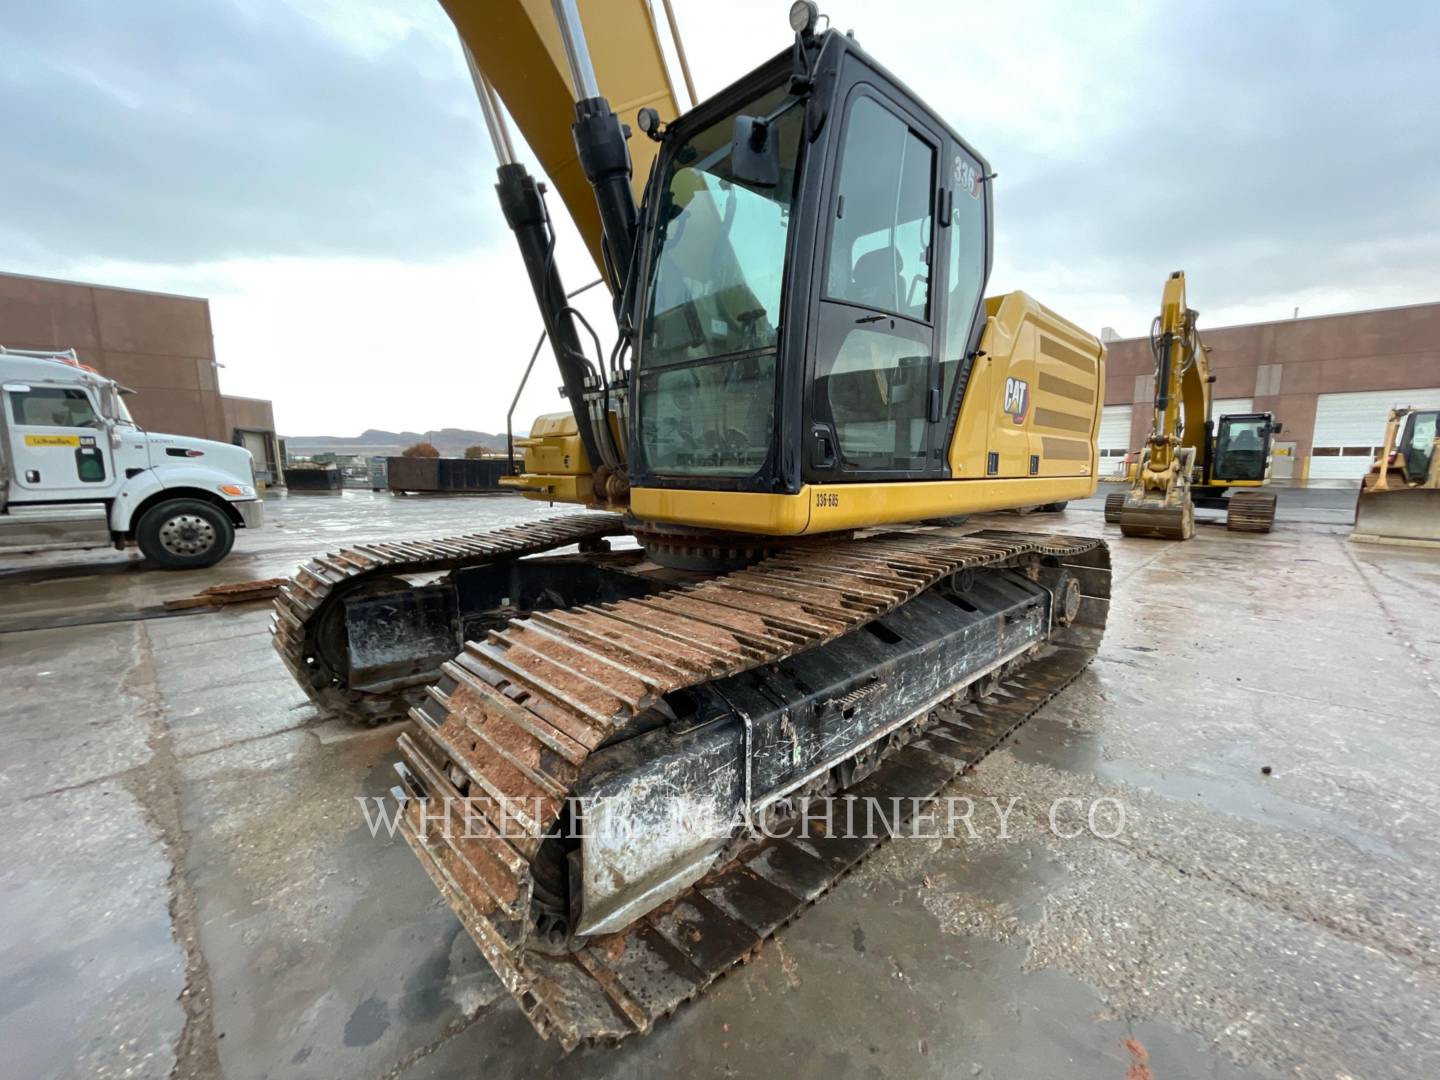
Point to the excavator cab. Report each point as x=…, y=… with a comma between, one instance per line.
x=816, y=195
x=1242, y=448
x=799, y=299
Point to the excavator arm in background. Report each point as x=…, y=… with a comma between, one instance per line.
x=1189, y=460
x=1159, y=503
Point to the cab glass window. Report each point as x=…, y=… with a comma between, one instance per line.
x=875, y=391
x=52, y=406
x=1240, y=450
x=966, y=265
x=1419, y=448
x=884, y=215
x=712, y=317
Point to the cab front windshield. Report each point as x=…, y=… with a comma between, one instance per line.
x=1240, y=452
x=708, y=343
x=1418, y=447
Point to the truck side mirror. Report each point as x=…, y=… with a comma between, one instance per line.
x=754, y=155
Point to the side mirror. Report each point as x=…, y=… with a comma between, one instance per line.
x=1276, y=428
x=754, y=155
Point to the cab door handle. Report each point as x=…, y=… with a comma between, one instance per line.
x=824, y=451
x=933, y=405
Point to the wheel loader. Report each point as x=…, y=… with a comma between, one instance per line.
x=1190, y=460
x=620, y=714
x=1399, y=501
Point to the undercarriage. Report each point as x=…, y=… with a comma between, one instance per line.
x=1167, y=516
x=609, y=758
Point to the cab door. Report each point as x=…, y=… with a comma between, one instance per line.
x=1417, y=445
x=874, y=408
x=59, y=446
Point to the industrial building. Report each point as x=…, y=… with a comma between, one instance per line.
x=159, y=345
x=1329, y=379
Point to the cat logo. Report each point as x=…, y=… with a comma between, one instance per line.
x=1017, y=399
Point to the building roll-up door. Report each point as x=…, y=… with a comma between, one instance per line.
x=258, y=443
x=1350, y=429
x=1231, y=406
x=1115, y=438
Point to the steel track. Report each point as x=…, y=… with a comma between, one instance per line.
x=1250, y=511
x=513, y=719
x=322, y=584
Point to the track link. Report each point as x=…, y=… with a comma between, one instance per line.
x=319, y=588
x=1114, y=503
x=513, y=718
x=1250, y=511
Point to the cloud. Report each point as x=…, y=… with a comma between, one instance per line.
x=178, y=132
x=320, y=170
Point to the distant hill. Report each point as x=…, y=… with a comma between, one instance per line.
x=451, y=442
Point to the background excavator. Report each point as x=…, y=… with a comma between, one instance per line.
x=1190, y=460
x=805, y=372
x=1399, y=501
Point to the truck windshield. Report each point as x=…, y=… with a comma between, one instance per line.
x=712, y=316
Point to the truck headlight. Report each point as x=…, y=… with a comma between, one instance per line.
x=237, y=491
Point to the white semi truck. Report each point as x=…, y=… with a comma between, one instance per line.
x=76, y=471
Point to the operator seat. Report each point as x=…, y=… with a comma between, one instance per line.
x=877, y=279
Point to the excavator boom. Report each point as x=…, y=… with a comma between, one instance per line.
x=519, y=51
x=1189, y=459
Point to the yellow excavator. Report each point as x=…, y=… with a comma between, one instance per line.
x=620, y=713
x=1189, y=459
x=1399, y=501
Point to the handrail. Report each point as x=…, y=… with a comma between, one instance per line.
x=515, y=401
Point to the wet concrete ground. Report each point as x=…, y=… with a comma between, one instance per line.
x=188, y=887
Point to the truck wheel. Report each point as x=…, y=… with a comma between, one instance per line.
x=185, y=534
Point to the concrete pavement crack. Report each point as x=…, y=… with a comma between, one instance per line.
x=454, y=1028
x=156, y=787
x=1422, y=662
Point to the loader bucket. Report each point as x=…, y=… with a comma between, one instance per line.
x=1407, y=516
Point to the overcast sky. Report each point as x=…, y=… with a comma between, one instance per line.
x=319, y=170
